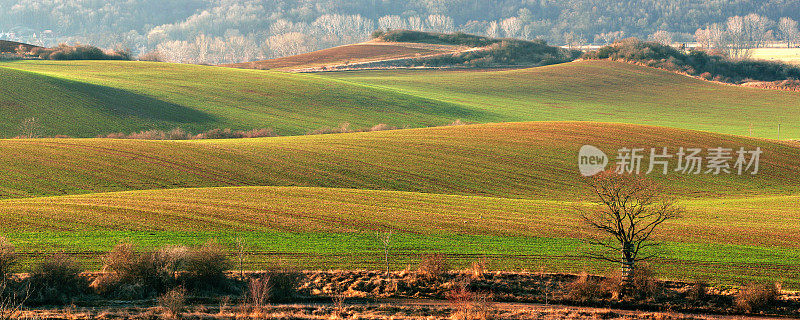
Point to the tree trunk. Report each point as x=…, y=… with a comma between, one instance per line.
x=628, y=261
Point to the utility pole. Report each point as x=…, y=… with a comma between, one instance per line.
x=779, y=131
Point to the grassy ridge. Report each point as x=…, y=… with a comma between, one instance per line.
x=602, y=91
x=759, y=221
x=534, y=160
x=320, y=227
x=126, y=96
x=102, y=97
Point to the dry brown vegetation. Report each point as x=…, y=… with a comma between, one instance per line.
x=8, y=257
x=173, y=276
x=399, y=311
x=455, y=295
x=180, y=134
x=433, y=266
x=339, y=55
x=757, y=297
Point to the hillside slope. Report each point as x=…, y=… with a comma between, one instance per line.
x=343, y=55
x=11, y=46
x=602, y=91
x=726, y=241
x=303, y=209
x=101, y=97
x=517, y=160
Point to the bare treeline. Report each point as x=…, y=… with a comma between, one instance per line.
x=740, y=34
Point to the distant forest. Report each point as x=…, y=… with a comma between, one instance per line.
x=219, y=31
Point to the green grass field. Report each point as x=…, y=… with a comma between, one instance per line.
x=103, y=97
x=111, y=96
x=534, y=160
x=505, y=191
x=601, y=91
x=334, y=228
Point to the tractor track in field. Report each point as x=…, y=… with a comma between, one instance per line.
x=154, y=160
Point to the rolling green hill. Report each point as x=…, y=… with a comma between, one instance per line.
x=602, y=91
x=727, y=241
x=87, y=98
x=535, y=160
x=103, y=97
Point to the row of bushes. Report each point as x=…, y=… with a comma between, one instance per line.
x=75, y=52
x=695, y=62
x=173, y=271
x=503, y=54
x=180, y=134
x=496, y=52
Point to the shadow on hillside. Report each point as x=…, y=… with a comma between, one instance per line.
x=112, y=102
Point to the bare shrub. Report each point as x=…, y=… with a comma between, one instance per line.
x=12, y=299
x=172, y=259
x=458, y=122
x=284, y=284
x=177, y=134
x=216, y=134
x=153, y=56
x=8, y=258
x=173, y=302
x=381, y=127
x=469, y=305
x=148, y=135
x=756, y=297
x=343, y=128
x=259, y=291
x=180, y=134
x=643, y=284
x=137, y=274
x=433, y=266
x=258, y=133
x=29, y=128
x=478, y=268
x=338, y=298
x=698, y=291
x=57, y=280
x=585, y=289
x=206, y=266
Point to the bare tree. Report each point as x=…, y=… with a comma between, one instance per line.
x=386, y=240
x=662, y=37
x=573, y=40
x=628, y=210
x=11, y=300
x=29, y=128
x=609, y=37
x=788, y=31
x=758, y=30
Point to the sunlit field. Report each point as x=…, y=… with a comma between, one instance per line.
x=789, y=55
